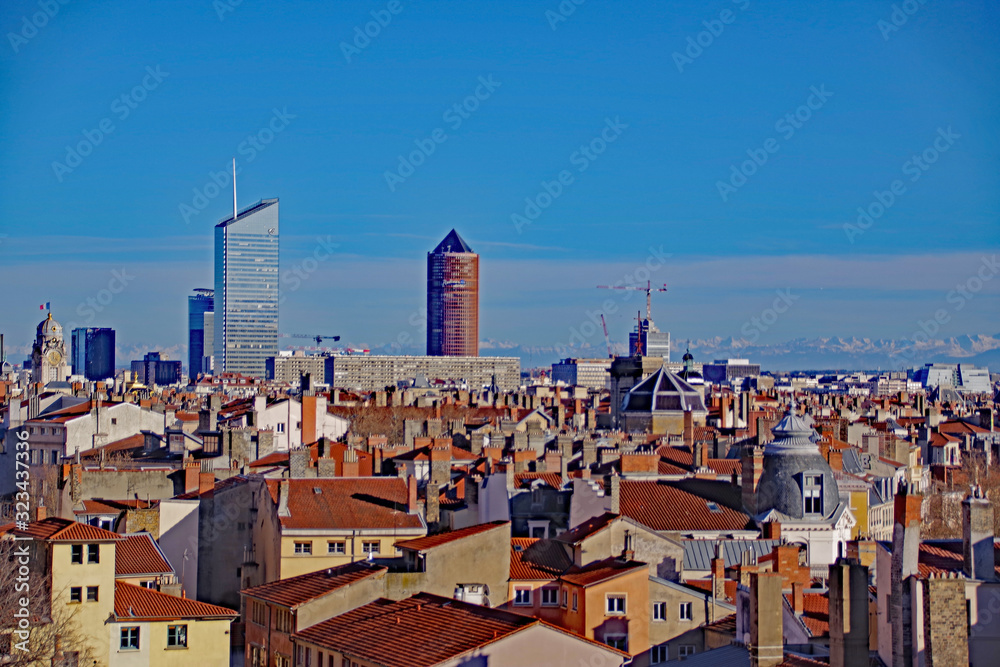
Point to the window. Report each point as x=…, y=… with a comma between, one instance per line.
x=76, y=594
x=619, y=642
x=130, y=638
x=114, y=421
x=659, y=654
x=91, y=593
x=303, y=548
x=55, y=457
x=335, y=547
x=659, y=611
x=77, y=553
x=177, y=636
x=685, y=650
x=550, y=596
x=575, y=600
x=812, y=494
x=685, y=611
x=283, y=620
x=281, y=427
x=258, y=612
x=93, y=553
x=149, y=583
x=565, y=598
x=369, y=547
x=615, y=604
x=522, y=596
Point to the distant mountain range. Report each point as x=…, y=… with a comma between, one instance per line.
x=798, y=354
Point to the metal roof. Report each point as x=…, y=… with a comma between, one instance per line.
x=452, y=243
x=698, y=554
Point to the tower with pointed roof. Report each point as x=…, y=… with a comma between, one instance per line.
x=453, y=299
x=49, y=362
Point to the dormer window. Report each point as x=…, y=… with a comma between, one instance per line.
x=812, y=494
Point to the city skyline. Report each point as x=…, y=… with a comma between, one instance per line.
x=655, y=156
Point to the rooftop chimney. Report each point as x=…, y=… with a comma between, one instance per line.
x=753, y=468
x=849, y=625
x=798, y=597
x=977, y=536
x=766, y=645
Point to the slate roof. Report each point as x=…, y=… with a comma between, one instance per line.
x=296, y=591
x=452, y=243
x=135, y=603
x=591, y=526
x=698, y=554
x=532, y=559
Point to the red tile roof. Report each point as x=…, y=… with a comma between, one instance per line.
x=706, y=586
x=603, y=570
x=135, y=603
x=346, y=503
x=422, y=630
x=589, y=527
x=941, y=556
x=524, y=480
x=296, y=591
x=960, y=428
x=943, y=439
x=532, y=559
x=815, y=613
x=663, y=507
x=139, y=554
x=54, y=529
x=101, y=506
x=725, y=466
x=431, y=541
x=235, y=480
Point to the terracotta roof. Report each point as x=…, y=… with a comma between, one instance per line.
x=663, y=507
x=296, y=591
x=346, y=503
x=431, y=541
x=532, y=559
x=274, y=458
x=101, y=506
x=524, y=480
x=422, y=630
x=960, y=428
x=135, y=603
x=725, y=624
x=941, y=556
x=667, y=468
x=235, y=480
x=815, y=613
x=725, y=466
x=424, y=454
x=603, y=570
x=706, y=586
x=793, y=660
x=133, y=443
x=943, y=439
x=139, y=554
x=589, y=527
x=54, y=529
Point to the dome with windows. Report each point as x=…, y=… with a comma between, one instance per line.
x=796, y=481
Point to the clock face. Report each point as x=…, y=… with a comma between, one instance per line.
x=54, y=357
x=272, y=231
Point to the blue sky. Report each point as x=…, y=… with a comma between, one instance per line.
x=199, y=81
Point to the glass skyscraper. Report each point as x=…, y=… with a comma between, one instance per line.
x=93, y=353
x=198, y=343
x=246, y=289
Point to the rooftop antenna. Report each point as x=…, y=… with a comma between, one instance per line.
x=234, y=189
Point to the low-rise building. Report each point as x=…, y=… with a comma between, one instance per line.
x=364, y=372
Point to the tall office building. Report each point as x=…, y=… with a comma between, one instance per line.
x=93, y=353
x=646, y=340
x=246, y=290
x=453, y=299
x=199, y=305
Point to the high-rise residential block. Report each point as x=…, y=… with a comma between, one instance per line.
x=453, y=299
x=93, y=353
x=246, y=289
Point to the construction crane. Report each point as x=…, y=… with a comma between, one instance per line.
x=606, y=338
x=318, y=338
x=648, y=289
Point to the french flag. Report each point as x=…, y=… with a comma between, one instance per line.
x=46, y=306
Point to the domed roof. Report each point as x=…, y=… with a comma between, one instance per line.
x=49, y=327
x=663, y=390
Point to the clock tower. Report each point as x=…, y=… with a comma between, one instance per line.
x=48, y=355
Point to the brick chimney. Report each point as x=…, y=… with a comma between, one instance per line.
x=905, y=551
x=771, y=530
x=946, y=637
x=41, y=513
x=753, y=468
x=351, y=467
x=977, y=536
x=192, y=469
x=798, y=597
x=308, y=419
x=766, y=645
x=719, y=576
x=614, y=491
x=689, y=429
x=411, y=494
x=849, y=624
x=206, y=482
